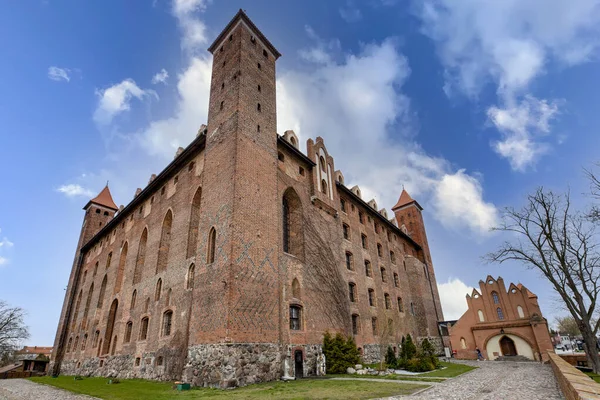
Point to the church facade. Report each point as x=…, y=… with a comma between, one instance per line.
x=229, y=266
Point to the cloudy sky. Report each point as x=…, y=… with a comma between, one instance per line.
x=470, y=105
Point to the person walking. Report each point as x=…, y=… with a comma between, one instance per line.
x=479, y=355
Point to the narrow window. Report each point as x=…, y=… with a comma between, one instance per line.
x=354, y=324
x=95, y=339
x=194, y=224
x=258, y=65
x=349, y=264
x=383, y=275
x=352, y=292
x=257, y=128
x=69, y=345
x=463, y=343
x=230, y=38
x=500, y=313
x=480, y=315
x=400, y=307
x=128, y=329
x=322, y=163
x=190, y=277
x=343, y=205
x=144, y=329
x=363, y=239
x=368, y=270
x=158, y=290
x=165, y=242
x=388, y=302
x=222, y=85
x=324, y=186
x=265, y=53
x=212, y=238
x=133, y=296
x=167, y=319
x=259, y=88
x=83, y=342
x=137, y=361
x=412, y=309
x=95, y=269
x=141, y=257
x=361, y=217
x=102, y=291
x=371, y=297
x=379, y=249
x=396, y=280
x=374, y=325
x=393, y=258
x=191, y=166
x=88, y=301
x=121, y=268
x=258, y=107
x=221, y=105
x=346, y=230
x=295, y=318
x=520, y=312
x=496, y=298
x=168, y=298
x=159, y=361
x=108, y=260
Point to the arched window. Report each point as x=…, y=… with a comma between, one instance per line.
x=194, y=223
x=110, y=325
x=69, y=345
x=463, y=343
x=84, y=276
x=95, y=269
x=392, y=257
x=168, y=297
x=88, y=301
x=296, y=288
x=158, y=290
x=76, y=314
x=133, y=296
x=379, y=249
x=388, y=302
x=349, y=263
x=95, y=339
x=128, y=329
x=346, y=231
x=368, y=270
x=383, y=275
x=102, y=291
x=495, y=298
x=190, y=277
x=412, y=309
x=371, y=297
x=324, y=186
x=141, y=257
x=210, y=252
x=292, y=224
x=295, y=318
x=520, y=312
x=144, y=329
x=400, y=307
x=108, y=260
x=396, y=280
x=167, y=319
x=165, y=243
x=481, y=317
x=363, y=239
x=121, y=269
x=374, y=325
x=352, y=291
x=500, y=313
x=322, y=163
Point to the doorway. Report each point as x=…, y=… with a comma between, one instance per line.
x=507, y=345
x=298, y=364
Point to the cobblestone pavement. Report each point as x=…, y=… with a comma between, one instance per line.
x=22, y=389
x=496, y=380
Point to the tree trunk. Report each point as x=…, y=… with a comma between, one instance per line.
x=590, y=348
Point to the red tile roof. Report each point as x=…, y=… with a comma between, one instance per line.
x=104, y=199
x=404, y=200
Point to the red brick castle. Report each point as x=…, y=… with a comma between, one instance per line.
x=231, y=264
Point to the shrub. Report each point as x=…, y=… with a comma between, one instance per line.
x=340, y=353
x=409, y=350
x=390, y=358
x=427, y=351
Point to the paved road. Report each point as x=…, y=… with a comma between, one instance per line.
x=22, y=389
x=496, y=380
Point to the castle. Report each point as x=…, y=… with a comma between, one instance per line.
x=229, y=266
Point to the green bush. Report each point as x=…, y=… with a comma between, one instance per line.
x=340, y=353
x=390, y=358
x=427, y=352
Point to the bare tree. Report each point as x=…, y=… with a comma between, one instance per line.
x=12, y=328
x=567, y=326
x=549, y=237
x=594, y=213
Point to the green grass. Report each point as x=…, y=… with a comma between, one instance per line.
x=393, y=377
x=130, y=389
x=593, y=375
x=451, y=370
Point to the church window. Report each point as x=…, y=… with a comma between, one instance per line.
x=400, y=306
x=190, y=277
x=346, y=230
x=295, y=317
x=495, y=298
x=520, y=312
x=352, y=291
x=371, y=297
x=210, y=253
x=133, y=296
x=102, y=291
x=343, y=205
x=324, y=186
x=349, y=263
x=383, y=275
x=396, y=280
x=167, y=319
x=128, y=329
x=480, y=315
x=368, y=269
x=388, y=302
x=379, y=249
x=374, y=325
x=292, y=224
x=355, y=322
x=500, y=313
x=194, y=224
x=363, y=239
x=144, y=329
x=158, y=290
x=165, y=243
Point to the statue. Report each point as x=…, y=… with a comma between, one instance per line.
x=321, y=365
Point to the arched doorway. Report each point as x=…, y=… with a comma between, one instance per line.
x=298, y=364
x=507, y=346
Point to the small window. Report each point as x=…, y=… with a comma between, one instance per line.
x=388, y=302
x=98, y=211
x=221, y=49
x=374, y=325
x=396, y=280
x=368, y=270
x=495, y=298
x=106, y=213
x=400, y=307
x=162, y=190
x=343, y=205
x=412, y=309
x=137, y=361
x=167, y=319
x=280, y=156
x=393, y=258
x=144, y=329
x=520, y=312
x=265, y=53
x=379, y=250
x=322, y=162
x=159, y=361
x=361, y=217
x=222, y=85
x=372, y=298
x=190, y=277
x=480, y=315
x=258, y=107
x=383, y=275
x=349, y=263
x=355, y=324
x=346, y=230
x=295, y=318
x=301, y=171
x=324, y=186
x=133, y=296
x=212, y=238
x=257, y=128
x=191, y=166
x=128, y=329
x=158, y=290
x=253, y=39
x=258, y=65
x=352, y=292
x=500, y=313
x=259, y=88
x=230, y=38
x=363, y=239
x=221, y=106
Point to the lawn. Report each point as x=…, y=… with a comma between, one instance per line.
x=451, y=370
x=130, y=389
x=593, y=375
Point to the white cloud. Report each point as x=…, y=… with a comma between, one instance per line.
x=453, y=298
x=521, y=125
x=59, y=74
x=3, y=261
x=5, y=244
x=72, y=190
x=116, y=99
x=160, y=77
x=193, y=30
x=356, y=106
x=350, y=13
x=509, y=43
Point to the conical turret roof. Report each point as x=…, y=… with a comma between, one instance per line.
x=105, y=199
x=404, y=200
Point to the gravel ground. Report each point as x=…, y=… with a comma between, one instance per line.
x=496, y=380
x=22, y=389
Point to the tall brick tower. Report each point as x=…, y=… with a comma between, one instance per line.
x=98, y=212
x=240, y=193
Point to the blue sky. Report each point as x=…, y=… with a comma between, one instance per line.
x=469, y=105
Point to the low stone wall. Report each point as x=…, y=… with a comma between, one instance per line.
x=574, y=384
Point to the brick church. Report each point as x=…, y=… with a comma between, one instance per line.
x=229, y=266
